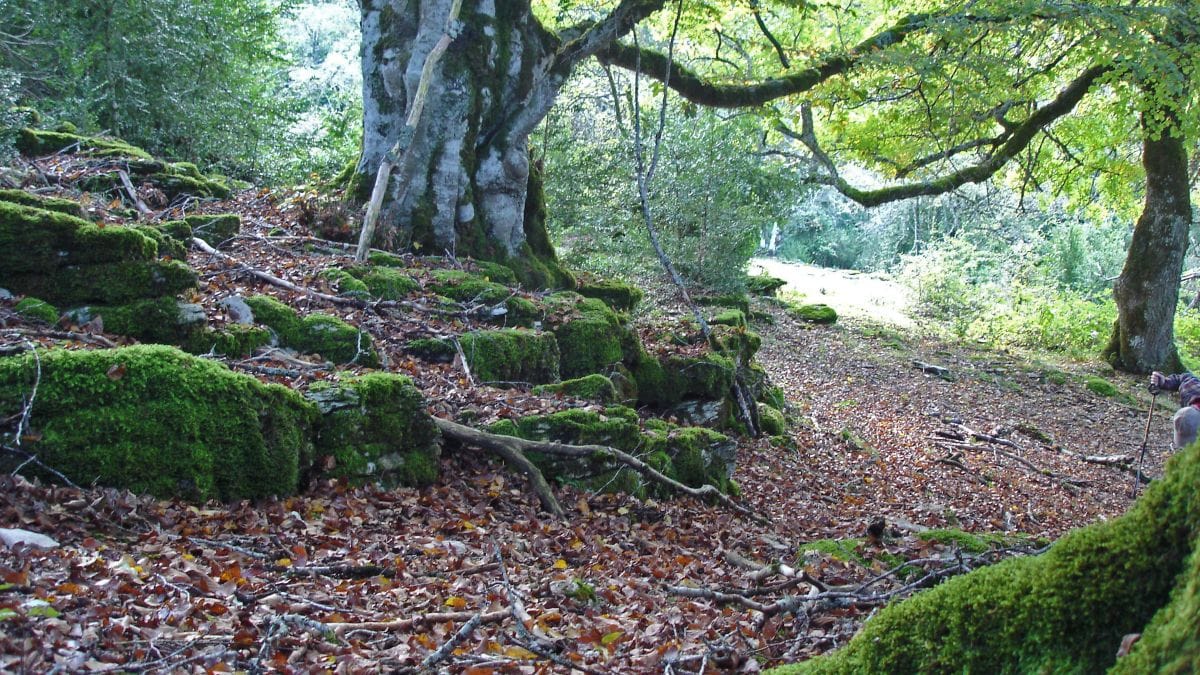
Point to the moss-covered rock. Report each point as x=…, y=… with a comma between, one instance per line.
x=167, y=246
x=466, y=287
x=67, y=206
x=1064, y=611
x=36, y=142
x=591, y=336
x=107, y=283
x=669, y=380
x=158, y=320
x=618, y=295
x=817, y=313
x=592, y=387
x=344, y=283
x=32, y=239
x=386, y=283
x=729, y=317
x=764, y=285
x=1100, y=386
x=39, y=310
x=771, y=421
x=155, y=420
x=235, y=340
x=495, y=272
x=215, y=228
x=511, y=355
x=691, y=455
x=730, y=300
x=328, y=336
x=375, y=427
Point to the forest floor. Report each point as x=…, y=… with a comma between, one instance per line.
x=891, y=479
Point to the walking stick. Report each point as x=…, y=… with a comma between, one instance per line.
x=1137, y=476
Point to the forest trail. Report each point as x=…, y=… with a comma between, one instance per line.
x=878, y=453
x=850, y=292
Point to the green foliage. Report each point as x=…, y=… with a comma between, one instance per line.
x=186, y=79
x=153, y=419
x=713, y=193
x=1064, y=611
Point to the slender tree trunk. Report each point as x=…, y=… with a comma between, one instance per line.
x=1147, y=292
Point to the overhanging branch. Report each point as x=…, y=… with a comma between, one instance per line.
x=697, y=89
x=1019, y=139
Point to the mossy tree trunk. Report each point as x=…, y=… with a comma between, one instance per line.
x=1147, y=292
x=463, y=184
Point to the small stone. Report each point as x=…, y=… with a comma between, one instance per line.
x=237, y=309
x=190, y=313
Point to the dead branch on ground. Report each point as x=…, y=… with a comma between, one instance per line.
x=511, y=446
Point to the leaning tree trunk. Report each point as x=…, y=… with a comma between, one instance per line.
x=463, y=181
x=1147, y=292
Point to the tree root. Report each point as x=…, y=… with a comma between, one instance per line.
x=513, y=449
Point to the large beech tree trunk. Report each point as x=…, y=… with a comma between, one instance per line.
x=1147, y=292
x=464, y=182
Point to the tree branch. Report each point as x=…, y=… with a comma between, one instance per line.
x=1022, y=134
x=699, y=90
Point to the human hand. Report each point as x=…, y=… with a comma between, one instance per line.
x=1156, y=381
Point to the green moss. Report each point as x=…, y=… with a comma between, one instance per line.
x=179, y=229
x=493, y=271
x=1100, y=386
x=345, y=283
x=667, y=381
x=511, y=355
x=590, y=335
x=971, y=543
x=618, y=295
x=176, y=184
x=731, y=300
x=774, y=397
x=1055, y=377
x=31, y=239
x=1064, y=611
x=845, y=550
x=165, y=245
x=817, y=313
x=33, y=308
x=106, y=284
x=764, y=285
x=432, y=349
x=376, y=427
x=155, y=420
x=67, y=206
x=36, y=142
x=385, y=282
x=234, y=340
x=771, y=421
x=151, y=320
x=592, y=387
x=729, y=317
x=466, y=287
x=93, y=244
x=701, y=457
x=214, y=229
x=381, y=259
x=321, y=334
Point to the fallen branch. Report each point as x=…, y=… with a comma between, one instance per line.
x=98, y=340
x=340, y=629
x=137, y=201
x=512, y=446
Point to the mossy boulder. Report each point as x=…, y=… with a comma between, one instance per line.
x=155, y=420
x=771, y=421
x=618, y=295
x=730, y=300
x=1066, y=610
x=591, y=336
x=511, y=355
x=67, y=206
x=466, y=287
x=594, y=387
x=39, y=310
x=161, y=320
x=322, y=334
x=234, y=340
x=167, y=246
x=37, y=142
x=34, y=240
x=183, y=178
x=816, y=313
x=344, y=283
x=385, y=283
x=729, y=317
x=668, y=380
x=375, y=427
x=216, y=228
x=764, y=285
x=107, y=284
x=693, y=456
x=1101, y=387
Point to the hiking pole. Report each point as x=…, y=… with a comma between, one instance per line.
x=1137, y=476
